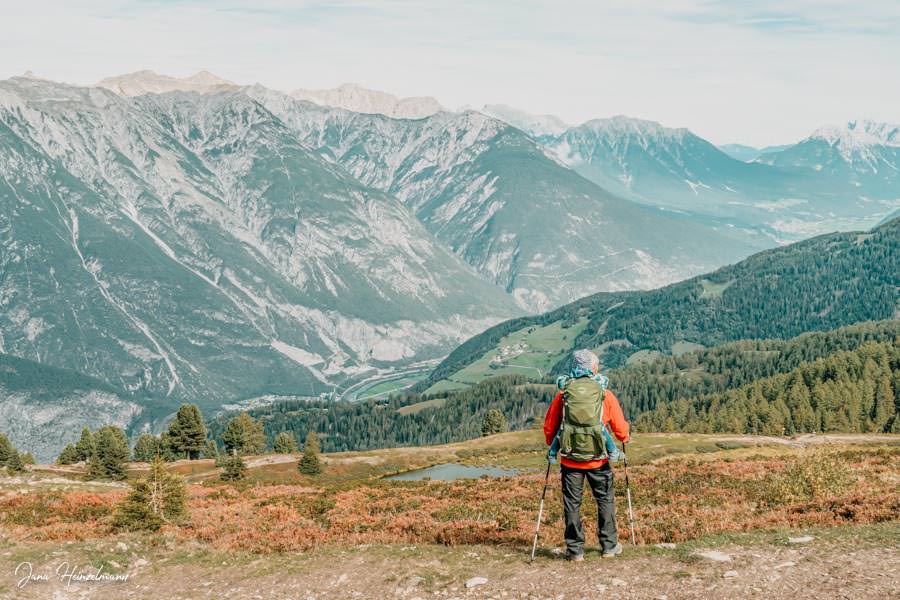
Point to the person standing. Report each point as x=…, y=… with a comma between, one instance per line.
x=577, y=423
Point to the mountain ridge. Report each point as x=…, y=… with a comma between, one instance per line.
x=178, y=262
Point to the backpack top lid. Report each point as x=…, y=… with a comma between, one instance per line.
x=583, y=401
x=603, y=380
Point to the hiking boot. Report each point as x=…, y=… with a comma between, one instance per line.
x=617, y=550
x=575, y=557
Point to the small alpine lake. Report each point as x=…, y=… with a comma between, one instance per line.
x=451, y=471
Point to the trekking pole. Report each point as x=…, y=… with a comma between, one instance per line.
x=537, y=529
x=628, y=494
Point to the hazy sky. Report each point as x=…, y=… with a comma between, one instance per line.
x=758, y=72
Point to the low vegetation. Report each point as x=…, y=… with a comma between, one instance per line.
x=679, y=498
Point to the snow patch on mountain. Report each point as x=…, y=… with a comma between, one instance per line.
x=857, y=135
x=535, y=125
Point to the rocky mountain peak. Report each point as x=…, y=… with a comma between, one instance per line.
x=150, y=82
x=353, y=97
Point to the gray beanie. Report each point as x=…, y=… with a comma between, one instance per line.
x=584, y=360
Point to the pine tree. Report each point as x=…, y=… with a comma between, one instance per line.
x=284, y=443
x=159, y=498
x=68, y=456
x=28, y=458
x=494, y=422
x=165, y=447
x=110, y=453
x=211, y=450
x=147, y=448
x=884, y=403
x=895, y=425
x=15, y=463
x=310, y=463
x=187, y=432
x=233, y=468
x=801, y=410
x=85, y=445
x=244, y=435
x=6, y=450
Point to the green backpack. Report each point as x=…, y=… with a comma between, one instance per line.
x=581, y=434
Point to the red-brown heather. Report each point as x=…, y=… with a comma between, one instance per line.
x=675, y=500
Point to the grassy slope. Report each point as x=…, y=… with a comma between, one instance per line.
x=532, y=351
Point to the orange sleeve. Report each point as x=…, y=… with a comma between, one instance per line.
x=553, y=418
x=612, y=411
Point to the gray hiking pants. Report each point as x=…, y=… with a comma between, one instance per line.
x=601, y=482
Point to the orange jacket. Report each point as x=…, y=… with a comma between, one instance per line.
x=613, y=418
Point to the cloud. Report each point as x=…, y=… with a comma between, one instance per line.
x=759, y=72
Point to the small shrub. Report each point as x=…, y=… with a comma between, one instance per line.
x=15, y=464
x=819, y=475
x=233, y=468
x=153, y=501
x=310, y=463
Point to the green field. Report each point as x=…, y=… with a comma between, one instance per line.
x=714, y=290
x=385, y=388
x=644, y=357
x=531, y=351
x=412, y=409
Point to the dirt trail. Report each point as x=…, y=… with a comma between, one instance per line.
x=837, y=568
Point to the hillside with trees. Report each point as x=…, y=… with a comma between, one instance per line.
x=845, y=391
x=405, y=419
x=841, y=380
x=642, y=387
x=815, y=285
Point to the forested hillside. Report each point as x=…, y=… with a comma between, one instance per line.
x=815, y=285
x=403, y=420
x=735, y=364
x=845, y=380
x=846, y=391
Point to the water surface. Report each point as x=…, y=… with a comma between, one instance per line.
x=451, y=471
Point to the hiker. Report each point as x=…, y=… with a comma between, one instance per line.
x=576, y=424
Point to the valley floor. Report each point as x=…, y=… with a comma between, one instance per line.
x=846, y=562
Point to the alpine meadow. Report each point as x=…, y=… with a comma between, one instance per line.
x=268, y=334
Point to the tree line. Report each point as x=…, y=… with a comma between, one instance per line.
x=510, y=401
x=641, y=387
x=846, y=391
x=106, y=451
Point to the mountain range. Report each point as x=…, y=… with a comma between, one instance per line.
x=197, y=240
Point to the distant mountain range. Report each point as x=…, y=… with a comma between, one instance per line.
x=818, y=185
x=197, y=240
x=148, y=82
x=355, y=98
x=749, y=153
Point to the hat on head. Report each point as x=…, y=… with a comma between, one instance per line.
x=584, y=360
